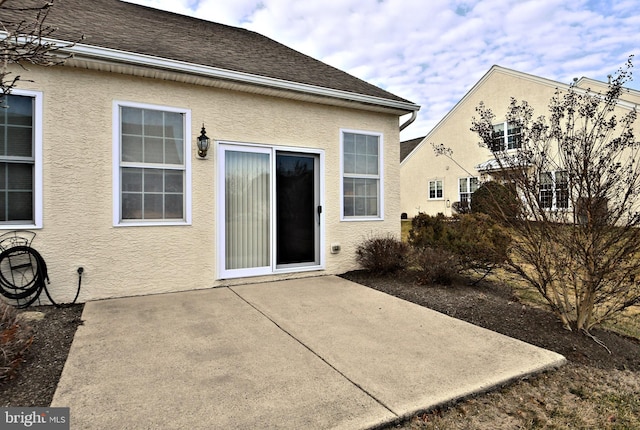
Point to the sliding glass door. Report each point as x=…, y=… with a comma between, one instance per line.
x=297, y=210
x=271, y=210
x=247, y=216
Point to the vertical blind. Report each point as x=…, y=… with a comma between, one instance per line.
x=247, y=209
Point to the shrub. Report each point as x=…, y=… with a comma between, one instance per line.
x=477, y=241
x=480, y=242
x=429, y=231
x=382, y=254
x=499, y=201
x=15, y=339
x=435, y=266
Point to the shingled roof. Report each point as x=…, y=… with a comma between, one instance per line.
x=131, y=28
x=409, y=145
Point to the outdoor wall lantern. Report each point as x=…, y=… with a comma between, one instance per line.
x=203, y=143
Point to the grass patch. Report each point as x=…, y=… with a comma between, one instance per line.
x=626, y=323
x=405, y=226
x=572, y=397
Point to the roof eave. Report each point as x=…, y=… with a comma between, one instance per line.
x=83, y=51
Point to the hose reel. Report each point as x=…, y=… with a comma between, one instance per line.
x=23, y=271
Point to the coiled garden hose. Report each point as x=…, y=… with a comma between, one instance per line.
x=23, y=273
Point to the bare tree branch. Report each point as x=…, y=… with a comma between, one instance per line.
x=24, y=42
x=582, y=253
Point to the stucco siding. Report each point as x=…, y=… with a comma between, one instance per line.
x=78, y=140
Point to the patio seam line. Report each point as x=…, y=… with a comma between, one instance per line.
x=316, y=354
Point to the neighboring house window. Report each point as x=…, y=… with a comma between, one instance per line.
x=21, y=160
x=554, y=190
x=466, y=187
x=506, y=136
x=153, y=165
x=361, y=175
x=435, y=189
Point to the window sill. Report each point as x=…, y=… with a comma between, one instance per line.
x=557, y=209
x=20, y=226
x=152, y=223
x=359, y=219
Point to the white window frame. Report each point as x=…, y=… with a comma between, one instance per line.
x=37, y=163
x=435, y=181
x=379, y=177
x=117, y=221
x=554, y=192
x=505, y=136
x=469, y=192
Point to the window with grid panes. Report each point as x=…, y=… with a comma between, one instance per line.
x=554, y=190
x=361, y=175
x=17, y=160
x=152, y=164
x=466, y=187
x=506, y=136
x=435, y=189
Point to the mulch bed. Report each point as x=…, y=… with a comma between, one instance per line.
x=38, y=376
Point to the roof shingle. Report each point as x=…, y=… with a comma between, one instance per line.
x=138, y=29
x=409, y=145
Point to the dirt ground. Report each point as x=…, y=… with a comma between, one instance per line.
x=595, y=389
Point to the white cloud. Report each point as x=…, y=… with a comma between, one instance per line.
x=433, y=52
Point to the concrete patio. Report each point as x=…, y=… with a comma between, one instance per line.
x=313, y=353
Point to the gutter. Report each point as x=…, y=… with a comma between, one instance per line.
x=123, y=57
x=410, y=121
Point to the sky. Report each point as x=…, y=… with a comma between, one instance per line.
x=432, y=52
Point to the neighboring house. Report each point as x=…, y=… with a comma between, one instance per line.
x=100, y=156
x=432, y=183
x=408, y=146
